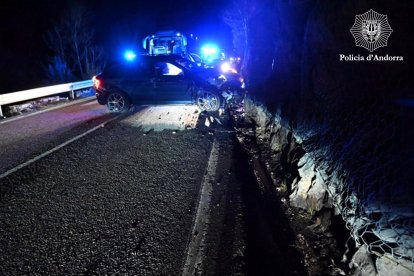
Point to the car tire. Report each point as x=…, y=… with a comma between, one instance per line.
x=208, y=100
x=118, y=102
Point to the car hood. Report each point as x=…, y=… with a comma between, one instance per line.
x=213, y=72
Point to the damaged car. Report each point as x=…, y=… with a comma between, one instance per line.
x=162, y=79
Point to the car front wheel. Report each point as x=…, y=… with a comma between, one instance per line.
x=208, y=101
x=118, y=102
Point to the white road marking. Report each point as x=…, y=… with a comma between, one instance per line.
x=18, y=167
x=195, y=248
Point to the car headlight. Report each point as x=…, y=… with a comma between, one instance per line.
x=227, y=67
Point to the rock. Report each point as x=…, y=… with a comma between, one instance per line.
x=409, y=242
x=318, y=195
x=334, y=189
x=387, y=265
x=324, y=219
x=258, y=115
x=362, y=263
x=310, y=192
x=249, y=108
x=387, y=235
x=278, y=138
x=298, y=138
x=300, y=189
x=406, y=244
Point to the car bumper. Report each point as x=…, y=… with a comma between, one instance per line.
x=100, y=97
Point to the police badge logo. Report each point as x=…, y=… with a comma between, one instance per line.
x=371, y=30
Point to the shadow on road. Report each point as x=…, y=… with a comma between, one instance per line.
x=269, y=239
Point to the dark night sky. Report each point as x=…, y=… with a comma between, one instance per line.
x=118, y=24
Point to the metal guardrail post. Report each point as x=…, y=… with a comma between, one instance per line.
x=72, y=95
x=1, y=113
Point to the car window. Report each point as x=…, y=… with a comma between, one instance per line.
x=122, y=69
x=186, y=63
x=167, y=69
x=114, y=70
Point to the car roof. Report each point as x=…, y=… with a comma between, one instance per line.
x=144, y=60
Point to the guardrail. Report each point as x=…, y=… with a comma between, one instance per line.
x=25, y=95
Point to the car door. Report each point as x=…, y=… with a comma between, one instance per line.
x=138, y=83
x=170, y=83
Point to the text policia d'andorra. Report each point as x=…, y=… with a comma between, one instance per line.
x=371, y=57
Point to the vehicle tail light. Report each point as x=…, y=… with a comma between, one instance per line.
x=96, y=82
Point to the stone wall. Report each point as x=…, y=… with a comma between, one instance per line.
x=314, y=184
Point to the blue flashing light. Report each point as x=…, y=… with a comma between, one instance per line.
x=210, y=52
x=130, y=55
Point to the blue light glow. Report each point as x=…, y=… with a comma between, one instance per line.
x=227, y=67
x=130, y=55
x=210, y=52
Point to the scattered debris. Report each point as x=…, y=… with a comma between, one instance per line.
x=171, y=117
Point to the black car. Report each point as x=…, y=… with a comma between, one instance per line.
x=155, y=80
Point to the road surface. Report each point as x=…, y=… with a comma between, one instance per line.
x=28, y=136
x=125, y=198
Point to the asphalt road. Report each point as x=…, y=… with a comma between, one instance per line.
x=123, y=199
x=118, y=201
x=28, y=136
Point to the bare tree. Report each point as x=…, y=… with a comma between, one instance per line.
x=238, y=16
x=57, y=71
x=71, y=41
x=93, y=60
x=56, y=42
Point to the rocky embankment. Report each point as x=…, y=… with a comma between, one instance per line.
x=337, y=231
